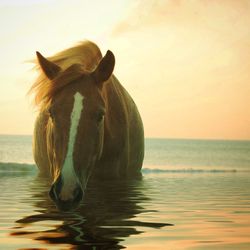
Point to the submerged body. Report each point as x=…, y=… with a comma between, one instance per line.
x=88, y=125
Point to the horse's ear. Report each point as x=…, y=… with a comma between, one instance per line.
x=50, y=69
x=105, y=68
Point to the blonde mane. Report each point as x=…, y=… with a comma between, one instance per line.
x=74, y=62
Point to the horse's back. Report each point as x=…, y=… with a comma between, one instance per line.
x=124, y=134
x=135, y=132
x=136, y=141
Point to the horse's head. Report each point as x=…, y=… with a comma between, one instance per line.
x=75, y=128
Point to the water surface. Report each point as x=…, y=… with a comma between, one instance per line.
x=193, y=195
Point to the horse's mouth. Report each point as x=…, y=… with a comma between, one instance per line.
x=66, y=205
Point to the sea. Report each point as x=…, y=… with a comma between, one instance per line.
x=194, y=194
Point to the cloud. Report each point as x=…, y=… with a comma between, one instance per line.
x=220, y=16
x=190, y=61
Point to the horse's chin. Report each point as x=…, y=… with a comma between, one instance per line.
x=67, y=207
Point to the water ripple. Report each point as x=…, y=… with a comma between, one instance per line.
x=178, y=212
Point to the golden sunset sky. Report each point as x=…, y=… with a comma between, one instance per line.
x=185, y=63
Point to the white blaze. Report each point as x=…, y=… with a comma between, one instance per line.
x=68, y=173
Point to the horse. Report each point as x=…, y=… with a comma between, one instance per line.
x=87, y=127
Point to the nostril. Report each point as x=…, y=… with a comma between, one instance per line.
x=78, y=194
x=55, y=189
x=52, y=193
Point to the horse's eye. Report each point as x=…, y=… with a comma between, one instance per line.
x=100, y=116
x=51, y=113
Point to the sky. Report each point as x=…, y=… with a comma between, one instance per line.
x=185, y=63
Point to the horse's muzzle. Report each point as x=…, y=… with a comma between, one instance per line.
x=65, y=204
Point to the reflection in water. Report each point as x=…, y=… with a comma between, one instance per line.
x=106, y=217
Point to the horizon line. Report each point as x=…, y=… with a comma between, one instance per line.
x=162, y=138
